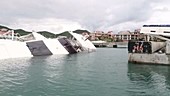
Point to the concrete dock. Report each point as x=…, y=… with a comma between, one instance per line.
x=110, y=44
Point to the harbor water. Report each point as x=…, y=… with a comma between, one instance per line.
x=105, y=72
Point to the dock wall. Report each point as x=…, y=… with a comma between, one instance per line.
x=155, y=58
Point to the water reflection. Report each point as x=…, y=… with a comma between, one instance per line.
x=36, y=80
x=149, y=80
x=60, y=74
x=43, y=75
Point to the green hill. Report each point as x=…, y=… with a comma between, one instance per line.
x=1, y=26
x=66, y=33
x=45, y=33
x=81, y=31
x=21, y=32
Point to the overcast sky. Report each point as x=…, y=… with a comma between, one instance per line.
x=104, y=15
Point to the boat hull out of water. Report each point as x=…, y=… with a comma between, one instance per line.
x=84, y=42
x=37, y=45
x=13, y=49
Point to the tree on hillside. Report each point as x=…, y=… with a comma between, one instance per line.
x=81, y=31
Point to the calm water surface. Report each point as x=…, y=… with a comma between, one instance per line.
x=105, y=72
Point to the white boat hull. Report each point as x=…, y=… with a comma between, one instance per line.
x=46, y=47
x=85, y=43
x=13, y=49
x=41, y=46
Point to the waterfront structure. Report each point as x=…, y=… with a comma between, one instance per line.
x=117, y=40
x=120, y=36
x=127, y=35
x=155, y=49
x=97, y=35
x=100, y=43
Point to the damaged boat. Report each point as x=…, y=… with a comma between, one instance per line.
x=35, y=44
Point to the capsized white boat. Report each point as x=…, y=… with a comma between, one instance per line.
x=77, y=43
x=35, y=44
x=42, y=46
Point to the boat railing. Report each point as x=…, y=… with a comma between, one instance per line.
x=9, y=37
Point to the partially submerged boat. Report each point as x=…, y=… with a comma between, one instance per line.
x=66, y=45
x=35, y=44
x=154, y=48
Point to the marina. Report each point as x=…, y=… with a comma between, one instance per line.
x=85, y=48
x=83, y=72
x=110, y=44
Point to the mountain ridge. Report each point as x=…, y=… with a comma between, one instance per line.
x=46, y=34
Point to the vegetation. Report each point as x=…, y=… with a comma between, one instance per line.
x=45, y=33
x=66, y=33
x=4, y=27
x=81, y=31
x=105, y=38
x=21, y=32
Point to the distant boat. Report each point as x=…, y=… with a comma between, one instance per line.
x=123, y=44
x=100, y=43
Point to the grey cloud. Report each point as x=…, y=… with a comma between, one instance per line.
x=92, y=14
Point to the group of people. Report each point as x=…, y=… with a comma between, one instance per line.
x=138, y=48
